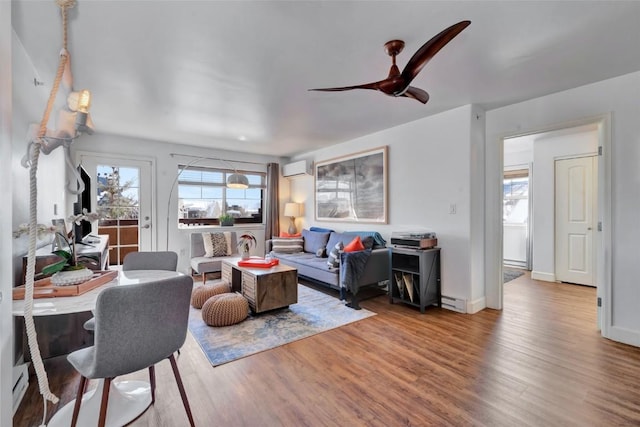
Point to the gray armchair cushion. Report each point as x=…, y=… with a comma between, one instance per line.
x=202, y=264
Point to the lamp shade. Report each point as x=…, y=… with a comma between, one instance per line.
x=292, y=209
x=237, y=180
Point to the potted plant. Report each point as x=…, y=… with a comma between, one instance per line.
x=225, y=219
x=71, y=269
x=245, y=243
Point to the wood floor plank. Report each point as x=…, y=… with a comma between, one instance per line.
x=538, y=362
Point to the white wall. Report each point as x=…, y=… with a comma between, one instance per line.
x=522, y=155
x=430, y=165
x=6, y=275
x=619, y=97
x=546, y=150
x=166, y=169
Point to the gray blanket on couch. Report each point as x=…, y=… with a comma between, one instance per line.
x=352, y=266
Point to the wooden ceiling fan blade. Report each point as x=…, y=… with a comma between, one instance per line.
x=374, y=85
x=429, y=49
x=417, y=94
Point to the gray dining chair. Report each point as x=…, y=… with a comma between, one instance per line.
x=161, y=260
x=136, y=327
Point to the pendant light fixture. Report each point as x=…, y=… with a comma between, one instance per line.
x=237, y=181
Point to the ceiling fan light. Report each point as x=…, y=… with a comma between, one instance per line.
x=79, y=101
x=84, y=101
x=238, y=181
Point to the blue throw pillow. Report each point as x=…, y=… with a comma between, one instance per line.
x=339, y=237
x=314, y=241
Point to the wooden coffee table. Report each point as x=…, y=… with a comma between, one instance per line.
x=265, y=288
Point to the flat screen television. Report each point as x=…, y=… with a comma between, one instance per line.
x=84, y=202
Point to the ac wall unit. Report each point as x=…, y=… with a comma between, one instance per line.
x=301, y=167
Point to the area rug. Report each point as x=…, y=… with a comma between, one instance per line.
x=510, y=273
x=315, y=312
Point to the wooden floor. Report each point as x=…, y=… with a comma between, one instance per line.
x=539, y=362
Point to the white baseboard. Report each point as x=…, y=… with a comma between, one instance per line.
x=545, y=277
x=476, y=305
x=624, y=335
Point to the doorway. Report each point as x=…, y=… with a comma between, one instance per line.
x=546, y=149
x=124, y=202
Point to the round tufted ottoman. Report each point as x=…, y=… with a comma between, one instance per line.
x=225, y=310
x=202, y=293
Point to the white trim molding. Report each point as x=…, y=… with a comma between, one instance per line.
x=545, y=277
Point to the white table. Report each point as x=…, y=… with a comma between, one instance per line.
x=87, y=301
x=127, y=399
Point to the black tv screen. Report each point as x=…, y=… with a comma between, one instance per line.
x=84, y=202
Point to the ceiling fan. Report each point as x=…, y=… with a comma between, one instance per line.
x=397, y=83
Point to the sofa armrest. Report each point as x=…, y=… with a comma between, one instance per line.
x=377, y=268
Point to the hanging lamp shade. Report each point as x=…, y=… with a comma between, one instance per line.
x=237, y=180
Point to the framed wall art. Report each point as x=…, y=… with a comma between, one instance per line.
x=352, y=188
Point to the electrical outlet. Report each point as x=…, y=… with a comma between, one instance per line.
x=452, y=208
x=183, y=252
x=0, y=296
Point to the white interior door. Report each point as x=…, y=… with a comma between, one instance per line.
x=576, y=205
x=124, y=200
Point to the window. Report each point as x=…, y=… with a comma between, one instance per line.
x=516, y=196
x=203, y=195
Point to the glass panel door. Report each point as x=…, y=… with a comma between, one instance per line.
x=516, y=218
x=123, y=200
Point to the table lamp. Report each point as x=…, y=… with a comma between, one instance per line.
x=292, y=210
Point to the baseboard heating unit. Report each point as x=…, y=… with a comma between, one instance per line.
x=455, y=304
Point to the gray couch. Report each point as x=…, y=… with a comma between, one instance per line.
x=202, y=264
x=315, y=268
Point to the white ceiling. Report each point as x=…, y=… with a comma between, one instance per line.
x=206, y=72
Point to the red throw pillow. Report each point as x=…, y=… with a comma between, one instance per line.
x=285, y=234
x=355, y=245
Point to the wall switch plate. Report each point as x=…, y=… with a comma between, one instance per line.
x=452, y=208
